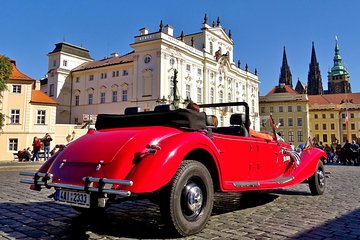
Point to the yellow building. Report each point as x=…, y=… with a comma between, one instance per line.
x=327, y=114
x=289, y=110
x=28, y=113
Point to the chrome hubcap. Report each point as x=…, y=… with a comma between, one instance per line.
x=193, y=199
x=321, y=177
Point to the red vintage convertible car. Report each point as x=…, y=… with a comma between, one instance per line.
x=176, y=158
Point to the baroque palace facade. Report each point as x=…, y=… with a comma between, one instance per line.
x=202, y=64
x=330, y=117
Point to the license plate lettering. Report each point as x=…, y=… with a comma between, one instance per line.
x=74, y=198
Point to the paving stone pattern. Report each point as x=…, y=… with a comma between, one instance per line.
x=278, y=214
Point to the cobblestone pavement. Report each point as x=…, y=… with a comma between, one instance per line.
x=281, y=214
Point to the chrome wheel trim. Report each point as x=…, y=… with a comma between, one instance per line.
x=192, y=199
x=321, y=177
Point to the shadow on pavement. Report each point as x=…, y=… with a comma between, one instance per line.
x=140, y=219
x=344, y=227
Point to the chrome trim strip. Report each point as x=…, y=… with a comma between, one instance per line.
x=41, y=179
x=281, y=180
x=110, y=181
x=246, y=184
x=31, y=174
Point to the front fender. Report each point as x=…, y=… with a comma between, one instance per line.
x=155, y=171
x=308, y=164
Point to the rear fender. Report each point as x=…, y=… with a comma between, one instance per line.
x=155, y=171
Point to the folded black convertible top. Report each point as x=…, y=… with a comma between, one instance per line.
x=179, y=118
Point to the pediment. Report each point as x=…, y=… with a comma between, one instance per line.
x=220, y=33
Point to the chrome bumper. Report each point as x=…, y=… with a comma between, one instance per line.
x=41, y=180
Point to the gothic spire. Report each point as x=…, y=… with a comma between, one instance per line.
x=285, y=73
x=314, y=85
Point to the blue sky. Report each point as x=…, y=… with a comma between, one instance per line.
x=260, y=29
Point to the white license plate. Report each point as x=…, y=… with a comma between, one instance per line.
x=74, y=198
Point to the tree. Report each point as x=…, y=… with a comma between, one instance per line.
x=5, y=72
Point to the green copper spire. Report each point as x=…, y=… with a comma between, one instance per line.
x=338, y=76
x=338, y=68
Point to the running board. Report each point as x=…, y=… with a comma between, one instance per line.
x=279, y=180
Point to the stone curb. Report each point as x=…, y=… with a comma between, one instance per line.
x=20, y=166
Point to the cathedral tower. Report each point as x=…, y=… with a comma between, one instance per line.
x=314, y=85
x=338, y=76
x=285, y=73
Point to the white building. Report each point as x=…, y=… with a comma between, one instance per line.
x=206, y=73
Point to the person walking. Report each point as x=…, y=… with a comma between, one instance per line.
x=36, y=148
x=46, y=142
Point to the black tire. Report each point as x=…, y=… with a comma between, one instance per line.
x=317, y=181
x=187, y=202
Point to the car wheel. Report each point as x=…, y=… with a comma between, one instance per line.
x=187, y=202
x=317, y=181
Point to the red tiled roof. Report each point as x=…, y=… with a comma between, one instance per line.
x=38, y=96
x=282, y=89
x=106, y=62
x=334, y=98
x=17, y=75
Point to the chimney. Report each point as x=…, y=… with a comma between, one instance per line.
x=169, y=30
x=114, y=54
x=144, y=31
